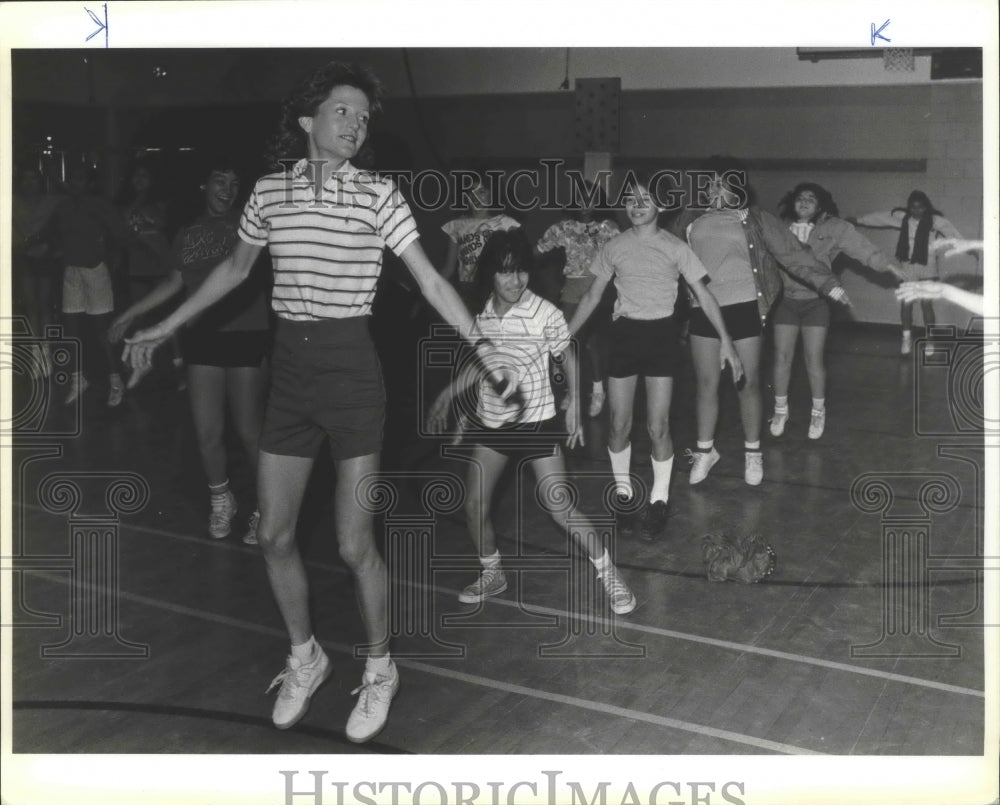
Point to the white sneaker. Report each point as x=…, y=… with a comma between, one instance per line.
x=817, y=422
x=490, y=582
x=77, y=386
x=116, y=391
x=778, y=422
x=250, y=538
x=223, y=511
x=753, y=467
x=596, y=403
x=298, y=682
x=701, y=463
x=370, y=713
x=619, y=595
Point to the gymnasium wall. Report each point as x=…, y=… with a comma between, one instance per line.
x=869, y=145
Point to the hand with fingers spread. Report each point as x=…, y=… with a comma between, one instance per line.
x=950, y=247
x=139, y=348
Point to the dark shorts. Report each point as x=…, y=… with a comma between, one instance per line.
x=643, y=347
x=526, y=440
x=742, y=321
x=326, y=383
x=225, y=348
x=802, y=312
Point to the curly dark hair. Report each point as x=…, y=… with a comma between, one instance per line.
x=825, y=202
x=290, y=141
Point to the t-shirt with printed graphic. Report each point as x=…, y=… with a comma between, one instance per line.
x=581, y=240
x=471, y=234
x=197, y=250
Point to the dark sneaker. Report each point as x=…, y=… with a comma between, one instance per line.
x=653, y=520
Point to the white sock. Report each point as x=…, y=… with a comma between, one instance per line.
x=661, y=479
x=706, y=446
x=819, y=403
x=604, y=563
x=304, y=651
x=493, y=560
x=754, y=446
x=620, y=463
x=598, y=387
x=378, y=665
x=780, y=404
x=219, y=489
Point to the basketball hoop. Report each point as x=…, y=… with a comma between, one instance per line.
x=898, y=60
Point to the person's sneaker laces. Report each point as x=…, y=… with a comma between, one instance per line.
x=702, y=462
x=653, y=519
x=817, y=422
x=374, y=697
x=753, y=467
x=778, y=422
x=596, y=403
x=250, y=538
x=298, y=682
x=223, y=512
x=621, y=598
x=490, y=582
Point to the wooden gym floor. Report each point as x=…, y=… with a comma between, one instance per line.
x=137, y=633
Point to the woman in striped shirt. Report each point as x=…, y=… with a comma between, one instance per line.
x=326, y=224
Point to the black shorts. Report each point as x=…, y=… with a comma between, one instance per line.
x=225, y=348
x=643, y=347
x=524, y=440
x=326, y=382
x=742, y=321
x=802, y=312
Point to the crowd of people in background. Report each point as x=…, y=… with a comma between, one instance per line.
x=303, y=372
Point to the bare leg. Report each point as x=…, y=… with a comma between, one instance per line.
x=356, y=540
x=281, y=484
x=705, y=354
x=813, y=346
x=621, y=397
x=785, y=336
x=551, y=473
x=751, y=407
x=207, y=396
x=481, y=482
x=659, y=391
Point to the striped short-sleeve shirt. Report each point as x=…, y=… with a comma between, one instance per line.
x=523, y=338
x=326, y=252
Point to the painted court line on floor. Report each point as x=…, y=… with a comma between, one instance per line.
x=472, y=679
x=627, y=625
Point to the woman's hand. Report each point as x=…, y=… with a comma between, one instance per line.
x=140, y=347
x=574, y=427
x=954, y=246
x=118, y=327
x=839, y=295
x=728, y=354
x=437, y=417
